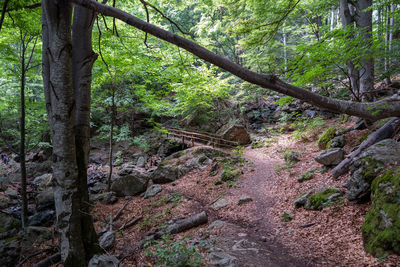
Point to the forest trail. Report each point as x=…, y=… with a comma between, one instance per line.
x=252, y=230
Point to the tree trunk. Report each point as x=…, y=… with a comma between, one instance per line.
x=364, y=23
x=57, y=77
x=24, y=209
x=347, y=18
x=83, y=58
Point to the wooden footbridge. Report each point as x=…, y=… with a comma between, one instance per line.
x=196, y=138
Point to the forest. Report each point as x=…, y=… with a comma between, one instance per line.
x=200, y=133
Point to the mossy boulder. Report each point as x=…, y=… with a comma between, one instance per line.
x=365, y=168
x=308, y=175
x=321, y=199
x=325, y=137
x=381, y=228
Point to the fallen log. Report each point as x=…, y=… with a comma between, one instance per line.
x=388, y=130
x=177, y=227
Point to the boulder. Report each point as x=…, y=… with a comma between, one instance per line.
x=141, y=162
x=236, y=133
x=107, y=198
x=44, y=181
x=104, y=261
x=330, y=157
x=4, y=202
x=381, y=228
x=42, y=218
x=9, y=251
x=152, y=191
x=36, y=234
x=337, y=142
x=182, y=162
x=320, y=199
x=45, y=199
x=11, y=193
x=7, y=179
x=366, y=167
x=106, y=241
x=8, y=223
x=131, y=184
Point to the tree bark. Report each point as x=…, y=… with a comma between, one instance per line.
x=363, y=20
x=57, y=77
x=24, y=209
x=389, y=107
x=386, y=131
x=83, y=58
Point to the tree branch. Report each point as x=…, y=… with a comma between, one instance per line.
x=388, y=107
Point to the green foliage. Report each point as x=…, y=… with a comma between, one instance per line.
x=286, y=217
x=306, y=127
x=284, y=101
x=325, y=137
x=170, y=253
x=118, y=158
x=141, y=142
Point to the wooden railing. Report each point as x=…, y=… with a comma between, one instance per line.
x=190, y=138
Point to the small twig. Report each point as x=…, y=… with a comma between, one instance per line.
x=307, y=225
x=119, y=213
x=130, y=223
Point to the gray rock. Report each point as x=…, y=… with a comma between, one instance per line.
x=301, y=201
x=42, y=218
x=221, y=259
x=106, y=241
x=104, y=261
x=97, y=188
x=6, y=180
x=45, y=199
x=330, y=157
x=9, y=252
x=36, y=234
x=43, y=182
x=337, y=142
x=219, y=204
x=107, y=198
x=126, y=169
x=365, y=168
x=11, y=193
x=141, y=162
x=130, y=185
x=8, y=223
x=244, y=199
x=152, y=191
x=4, y=201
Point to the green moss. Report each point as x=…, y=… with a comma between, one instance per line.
x=286, y=217
x=230, y=173
x=317, y=200
x=370, y=168
x=381, y=228
x=308, y=175
x=325, y=137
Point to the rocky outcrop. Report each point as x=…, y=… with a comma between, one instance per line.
x=381, y=228
x=330, y=157
x=104, y=261
x=236, y=133
x=152, y=191
x=365, y=168
x=318, y=200
x=129, y=182
x=182, y=162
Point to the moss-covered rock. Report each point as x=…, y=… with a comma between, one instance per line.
x=308, y=175
x=325, y=137
x=381, y=228
x=320, y=199
x=365, y=168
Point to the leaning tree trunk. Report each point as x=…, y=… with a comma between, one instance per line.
x=83, y=58
x=60, y=104
x=364, y=23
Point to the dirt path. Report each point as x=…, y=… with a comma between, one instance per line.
x=251, y=237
